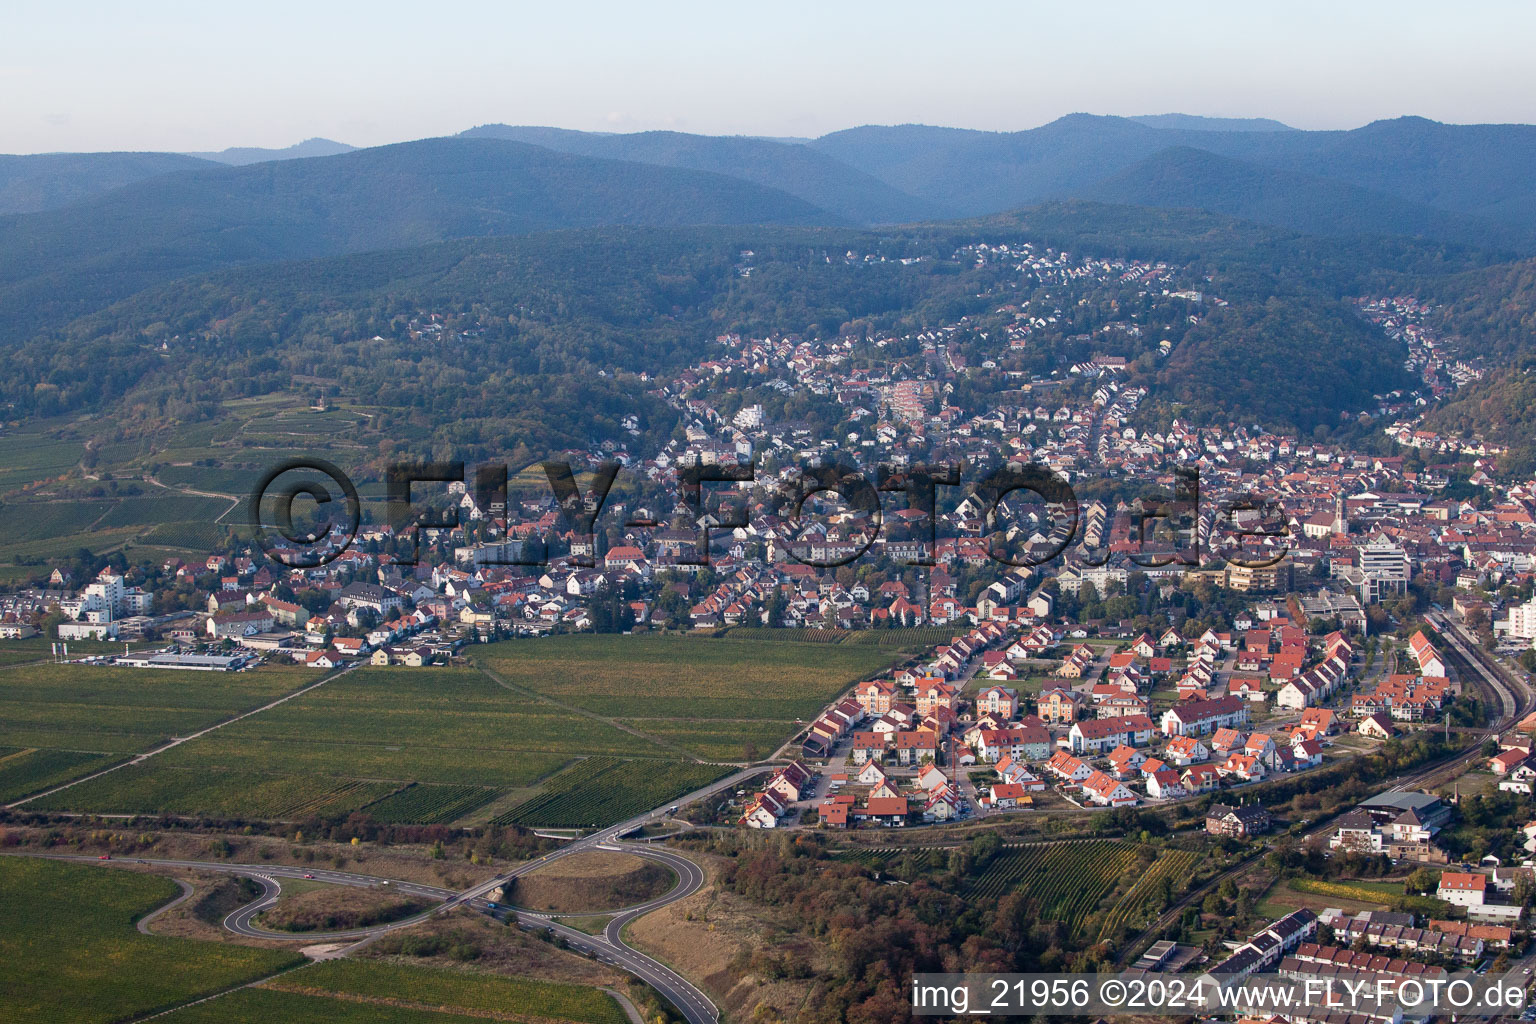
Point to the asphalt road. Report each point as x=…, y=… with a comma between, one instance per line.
x=610, y=947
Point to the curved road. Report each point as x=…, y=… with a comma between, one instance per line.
x=609, y=948
x=186, y=894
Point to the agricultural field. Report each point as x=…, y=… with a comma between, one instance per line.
x=717, y=739
x=62, y=722
x=25, y=521
x=1067, y=879
x=409, y=746
x=1173, y=865
x=473, y=992
x=39, y=649
x=891, y=639
x=203, y=536
x=264, y=1006
x=429, y=804
x=69, y=950
x=597, y=792
x=32, y=554
x=443, y=725
x=151, y=788
x=28, y=458
x=683, y=677
x=164, y=507
x=289, y=1006
x=38, y=529
x=30, y=770
x=235, y=480
x=708, y=685
x=128, y=710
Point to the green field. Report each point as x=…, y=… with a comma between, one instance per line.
x=274, y=1006
x=66, y=721
x=596, y=792
x=39, y=649
x=427, y=804
x=30, y=770
x=363, y=739
x=25, y=458
x=415, y=747
x=451, y=726
x=35, y=552
x=684, y=677
x=83, y=523
x=198, y=536
x=1174, y=865
x=69, y=951
x=715, y=739
x=151, y=788
x=162, y=506
x=225, y=479
x=127, y=710
x=710, y=689
x=487, y=993
x=891, y=639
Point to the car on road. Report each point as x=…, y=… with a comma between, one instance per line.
x=308, y=875
x=105, y=856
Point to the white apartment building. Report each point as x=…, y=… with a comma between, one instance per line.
x=1521, y=624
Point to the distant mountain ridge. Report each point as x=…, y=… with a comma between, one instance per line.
x=1185, y=177
x=239, y=156
x=797, y=169
x=1485, y=171
x=1195, y=123
x=79, y=231
x=48, y=181
x=60, y=264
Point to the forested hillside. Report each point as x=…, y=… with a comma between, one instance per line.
x=61, y=264
x=46, y=181
x=546, y=334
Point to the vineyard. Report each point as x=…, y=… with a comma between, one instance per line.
x=796, y=635
x=427, y=804
x=717, y=740
x=451, y=726
x=1173, y=865
x=69, y=951
x=599, y=791
x=918, y=636
x=684, y=678
x=125, y=710
x=265, y=1005
x=29, y=770
x=1067, y=880
x=150, y=789
x=204, y=536
x=477, y=995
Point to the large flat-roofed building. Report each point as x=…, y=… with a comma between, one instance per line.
x=189, y=662
x=1328, y=604
x=1256, y=579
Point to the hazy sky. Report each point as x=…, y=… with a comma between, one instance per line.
x=167, y=75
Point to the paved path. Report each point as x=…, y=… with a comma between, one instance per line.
x=186, y=893
x=234, y=502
